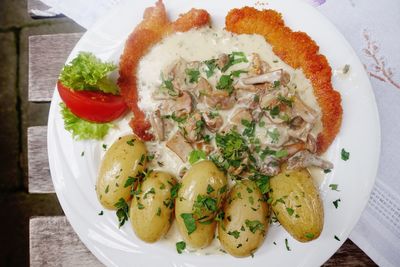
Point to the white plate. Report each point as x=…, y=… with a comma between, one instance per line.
x=74, y=176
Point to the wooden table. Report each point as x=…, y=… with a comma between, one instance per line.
x=52, y=240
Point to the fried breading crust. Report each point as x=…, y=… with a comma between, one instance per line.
x=298, y=50
x=151, y=30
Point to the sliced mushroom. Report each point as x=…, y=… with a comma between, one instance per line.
x=299, y=108
x=213, y=121
x=157, y=125
x=299, y=129
x=203, y=87
x=222, y=60
x=193, y=127
x=268, y=77
x=180, y=146
x=179, y=106
x=238, y=170
x=277, y=136
x=220, y=100
x=304, y=159
x=258, y=66
x=177, y=74
x=270, y=166
x=240, y=115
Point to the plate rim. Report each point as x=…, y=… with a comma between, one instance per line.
x=100, y=256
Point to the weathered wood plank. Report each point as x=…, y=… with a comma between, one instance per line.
x=53, y=242
x=38, y=10
x=39, y=179
x=47, y=55
x=349, y=255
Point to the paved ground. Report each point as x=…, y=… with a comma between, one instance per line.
x=16, y=205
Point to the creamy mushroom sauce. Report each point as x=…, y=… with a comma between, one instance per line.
x=200, y=45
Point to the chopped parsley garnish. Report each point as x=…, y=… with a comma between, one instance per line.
x=101, y=213
x=262, y=182
x=122, y=211
x=345, y=155
x=130, y=181
x=225, y=83
x=286, y=101
x=233, y=59
x=174, y=193
x=83, y=153
x=277, y=84
x=104, y=146
x=173, y=117
x=309, y=235
x=211, y=66
x=237, y=73
x=140, y=206
x=210, y=189
x=327, y=171
x=196, y=155
x=203, y=205
x=250, y=128
x=287, y=245
x=235, y=234
x=281, y=153
x=274, y=111
x=168, y=86
x=254, y=226
x=232, y=146
x=193, y=75
x=180, y=246
x=336, y=203
x=274, y=135
x=107, y=189
x=337, y=238
x=158, y=211
x=151, y=191
x=189, y=222
x=220, y=216
x=334, y=187
x=131, y=142
x=290, y=211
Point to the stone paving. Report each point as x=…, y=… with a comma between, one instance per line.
x=17, y=206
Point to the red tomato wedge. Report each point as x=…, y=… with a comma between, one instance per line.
x=93, y=106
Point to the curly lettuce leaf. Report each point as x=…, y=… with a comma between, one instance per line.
x=87, y=72
x=82, y=129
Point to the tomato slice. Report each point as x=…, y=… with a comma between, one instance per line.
x=92, y=105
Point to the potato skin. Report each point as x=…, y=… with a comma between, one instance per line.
x=150, y=213
x=195, y=183
x=125, y=158
x=243, y=230
x=297, y=204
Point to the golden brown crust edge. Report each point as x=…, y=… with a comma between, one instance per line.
x=298, y=50
x=154, y=26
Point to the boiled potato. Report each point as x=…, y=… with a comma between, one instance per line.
x=125, y=158
x=297, y=204
x=152, y=207
x=203, y=189
x=245, y=223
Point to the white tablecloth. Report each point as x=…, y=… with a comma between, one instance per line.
x=373, y=29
